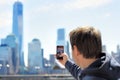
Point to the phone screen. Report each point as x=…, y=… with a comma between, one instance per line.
x=60, y=50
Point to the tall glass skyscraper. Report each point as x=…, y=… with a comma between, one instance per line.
x=17, y=29
x=61, y=34
x=12, y=43
x=62, y=41
x=35, y=55
x=6, y=66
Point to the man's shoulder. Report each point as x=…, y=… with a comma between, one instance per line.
x=107, y=68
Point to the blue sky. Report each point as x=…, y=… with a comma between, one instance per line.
x=42, y=18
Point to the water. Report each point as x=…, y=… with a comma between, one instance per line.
x=37, y=77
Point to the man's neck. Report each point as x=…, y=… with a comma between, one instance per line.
x=86, y=63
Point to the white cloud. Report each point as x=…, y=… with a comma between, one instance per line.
x=44, y=8
x=5, y=19
x=5, y=24
x=107, y=14
x=69, y=5
x=6, y=12
x=6, y=2
x=79, y=4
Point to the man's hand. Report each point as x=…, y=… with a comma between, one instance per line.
x=64, y=60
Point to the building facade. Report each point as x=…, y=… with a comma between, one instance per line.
x=17, y=29
x=6, y=66
x=116, y=54
x=12, y=43
x=35, y=55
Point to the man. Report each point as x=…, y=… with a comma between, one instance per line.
x=90, y=62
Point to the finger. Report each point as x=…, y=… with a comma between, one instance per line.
x=63, y=54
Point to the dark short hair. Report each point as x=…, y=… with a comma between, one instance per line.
x=87, y=40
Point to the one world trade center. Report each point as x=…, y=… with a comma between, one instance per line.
x=17, y=28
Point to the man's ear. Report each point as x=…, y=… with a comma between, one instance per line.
x=76, y=51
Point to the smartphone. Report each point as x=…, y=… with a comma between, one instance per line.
x=60, y=50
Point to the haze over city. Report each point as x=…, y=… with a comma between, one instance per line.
x=43, y=18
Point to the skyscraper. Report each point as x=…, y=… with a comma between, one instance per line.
x=62, y=41
x=118, y=49
x=61, y=34
x=104, y=48
x=68, y=51
x=17, y=29
x=6, y=66
x=12, y=43
x=35, y=55
x=52, y=59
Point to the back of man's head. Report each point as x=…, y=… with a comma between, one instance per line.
x=87, y=39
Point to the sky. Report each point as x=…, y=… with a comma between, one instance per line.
x=42, y=18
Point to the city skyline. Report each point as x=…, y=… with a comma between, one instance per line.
x=48, y=16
